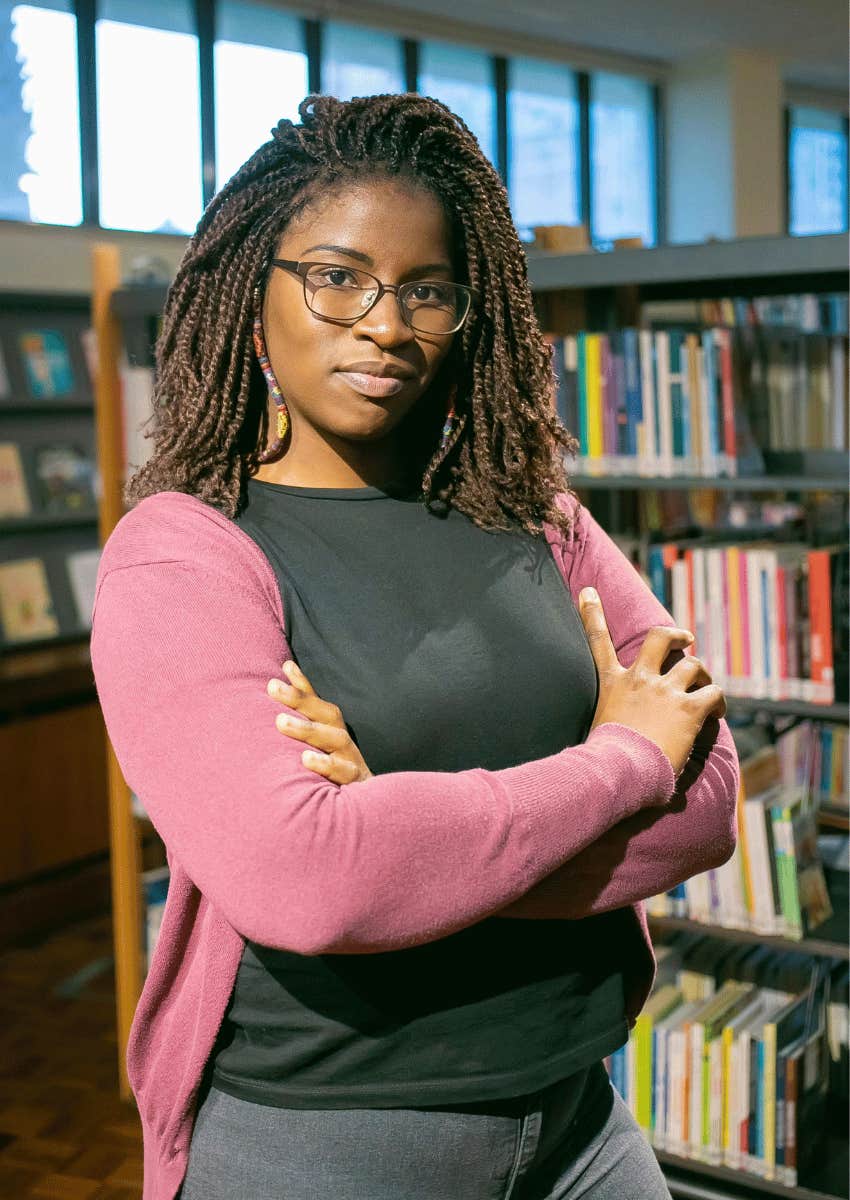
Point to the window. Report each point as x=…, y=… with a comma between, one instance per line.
x=622, y=158
x=817, y=169
x=260, y=78
x=543, y=140
x=360, y=62
x=40, y=178
x=148, y=116
x=462, y=79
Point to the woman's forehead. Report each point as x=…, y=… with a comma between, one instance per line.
x=372, y=218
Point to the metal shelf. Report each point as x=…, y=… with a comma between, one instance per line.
x=745, y=483
x=746, y=1180
x=789, y=708
x=818, y=947
x=44, y=524
x=754, y=258
x=834, y=818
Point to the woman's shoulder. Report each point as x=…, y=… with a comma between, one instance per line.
x=173, y=526
x=581, y=523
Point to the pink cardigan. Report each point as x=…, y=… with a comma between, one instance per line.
x=188, y=628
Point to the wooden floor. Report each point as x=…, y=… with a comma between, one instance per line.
x=64, y=1132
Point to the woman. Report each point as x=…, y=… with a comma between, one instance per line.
x=403, y=926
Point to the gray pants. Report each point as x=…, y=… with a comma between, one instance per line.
x=572, y=1140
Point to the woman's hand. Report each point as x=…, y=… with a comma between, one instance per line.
x=670, y=708
x=321, y=725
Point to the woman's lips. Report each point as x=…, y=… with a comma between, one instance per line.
x=372, y=385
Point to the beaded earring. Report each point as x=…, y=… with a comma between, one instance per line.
x=276, y=447
x=450, y=416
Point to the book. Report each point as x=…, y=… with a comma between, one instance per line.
x=65, y=478
x=706, y=1086
x=14, y=494
x=659, y=1005
x=26, y=602
x=47, y=363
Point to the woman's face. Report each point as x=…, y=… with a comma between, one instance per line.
x=397, y=233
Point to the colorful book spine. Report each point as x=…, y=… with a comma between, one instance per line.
x=595, y=428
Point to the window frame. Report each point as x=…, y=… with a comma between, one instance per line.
x=204, y=20
x=787, y=130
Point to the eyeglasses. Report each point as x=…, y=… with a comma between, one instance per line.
x=346, y=294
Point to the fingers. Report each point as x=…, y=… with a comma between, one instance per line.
x=708, y=701
x=336, y=769
x=596, y=628
x=315, y=733
x=658, y=643
x=299, y=694
x=690, y=673
x=319, y=724
x=297, y=677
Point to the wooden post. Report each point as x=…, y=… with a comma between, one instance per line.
x=123, y=833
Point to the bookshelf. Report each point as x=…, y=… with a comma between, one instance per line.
x=602, y=293
x=819, y=947
x=680, y=1171
x=48, y=507
x=48, y=554
x=607, y=284
x=779, y=264
x=755, y=483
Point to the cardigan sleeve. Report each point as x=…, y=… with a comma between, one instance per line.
x=654, y=850
x=187, y=630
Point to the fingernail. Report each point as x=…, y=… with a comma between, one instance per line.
x=284, y=721
x=589, y=594
x=309, y=757
x=289, y=667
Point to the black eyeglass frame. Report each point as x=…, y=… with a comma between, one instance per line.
x=302, y=267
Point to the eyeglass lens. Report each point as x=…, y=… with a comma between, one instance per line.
x=344, y=293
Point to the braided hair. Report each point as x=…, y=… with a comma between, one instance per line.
x=504, y=463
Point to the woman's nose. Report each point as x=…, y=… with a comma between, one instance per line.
x=384, y=320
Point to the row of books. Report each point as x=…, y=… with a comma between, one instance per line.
x=678, y=402
x=807, y=312
x=818, y=519
x=774, y=883
x=769, y=618
x=54, y=476
x=813, y=757
x=47, y=596
x=731, y=1059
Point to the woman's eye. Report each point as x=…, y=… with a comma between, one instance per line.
x=339, y=277
x=429, y=293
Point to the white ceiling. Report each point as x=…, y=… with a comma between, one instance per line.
x=810, y=36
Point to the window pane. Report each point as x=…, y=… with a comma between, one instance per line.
x=622, y=139
x=360, y=62
x=260, y=78
x=543, y=133
x=147, y=87
x=39, y=114
x=462, y=79
x=817, y=162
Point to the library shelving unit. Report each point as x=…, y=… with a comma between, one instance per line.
x=602, y=292
x=588, y=290
x=48, y=551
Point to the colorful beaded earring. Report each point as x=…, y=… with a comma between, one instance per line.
x=276, y=447
x=450, y=416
